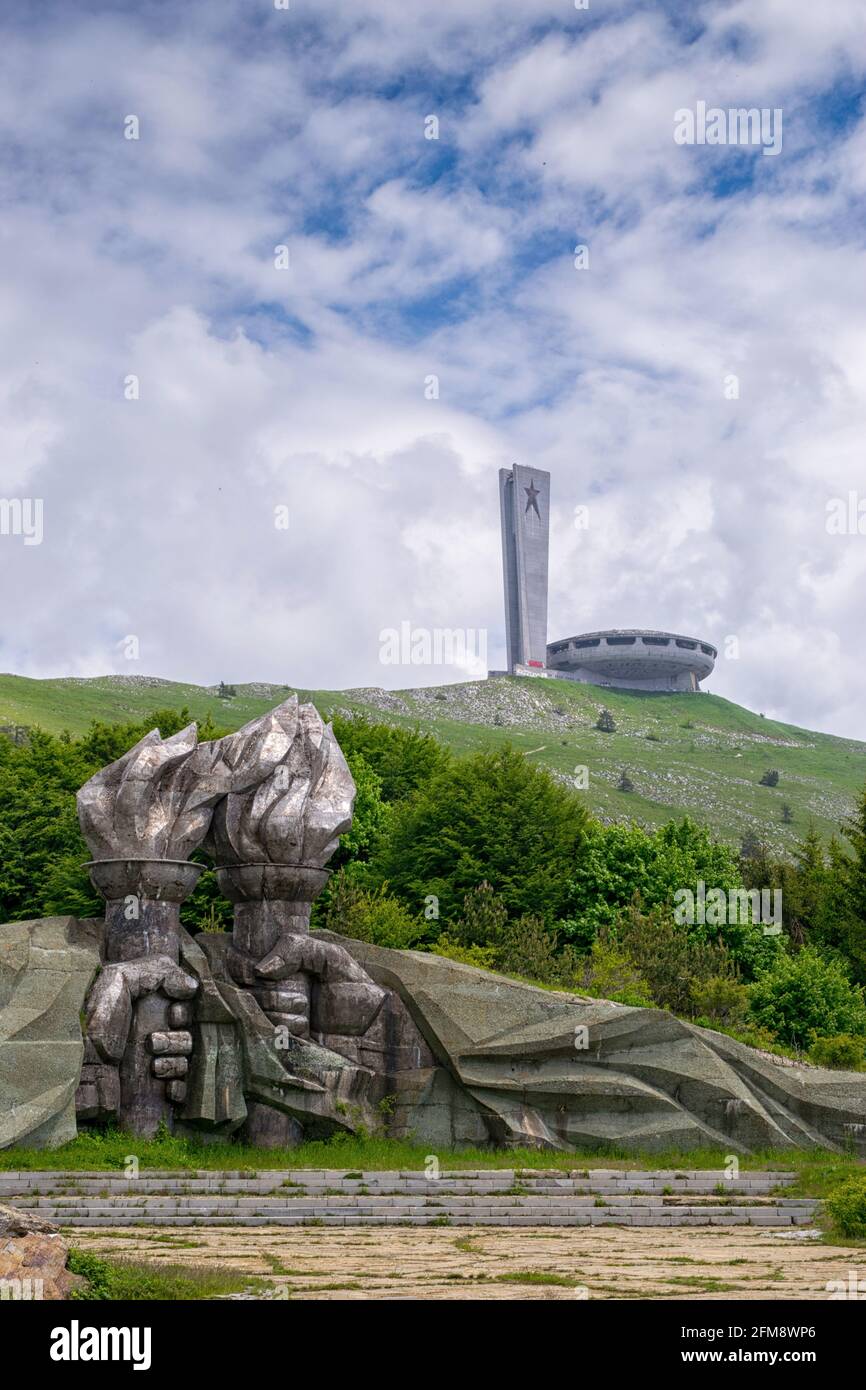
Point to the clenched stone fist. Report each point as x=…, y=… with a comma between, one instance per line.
x=304, y=983
x=108, y=1023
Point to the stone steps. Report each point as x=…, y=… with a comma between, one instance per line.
x=319, y=1181
x=113, y=1218
x=340, y=1198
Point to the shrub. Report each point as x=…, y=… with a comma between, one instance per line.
x=606, y=722
x=842, y=1052
x=770, y=778
x=750, y=1036
x=493, y=818
x=720, y=999
x=529, y=949
x=847, y=1207
x=668, y=959
x=807, y=995
x=484, y=918
x=483, y=957
x=617, y=861
x=373, y=916
x=402, y=759
x=751, y=847
x=609, y=973
x=370, y=817
x=625, y=784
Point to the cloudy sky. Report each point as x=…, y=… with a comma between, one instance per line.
x=240, y=452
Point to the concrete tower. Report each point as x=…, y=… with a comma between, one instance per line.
x=524, y=501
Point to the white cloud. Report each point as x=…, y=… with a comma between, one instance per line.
x=412, y=258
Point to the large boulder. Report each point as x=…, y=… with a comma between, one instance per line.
x=33, y=1257
x=46, y=967
x=564, y=1071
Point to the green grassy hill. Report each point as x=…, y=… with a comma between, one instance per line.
x=684, y=753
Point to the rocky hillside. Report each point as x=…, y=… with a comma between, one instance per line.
x=682, y=753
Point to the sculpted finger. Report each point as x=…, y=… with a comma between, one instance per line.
x=177, y=984
x=283, y=960
x=176, y=1043
x=109, y=1014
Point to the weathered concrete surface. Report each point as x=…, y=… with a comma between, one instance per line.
x=33, y=1258
x=638, y=1078
x=237, y=1064
x=384, y=1263
x=484, y=1197
x=469, y=1057
x=46, y=967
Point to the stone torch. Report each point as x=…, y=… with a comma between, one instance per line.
x=142, y=816
x=271, y=845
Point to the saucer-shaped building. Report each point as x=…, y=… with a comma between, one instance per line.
x=634, y=659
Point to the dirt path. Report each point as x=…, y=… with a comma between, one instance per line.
x=496, y=1263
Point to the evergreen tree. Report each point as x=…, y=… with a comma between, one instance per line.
x=494, y=817
x=751, y=847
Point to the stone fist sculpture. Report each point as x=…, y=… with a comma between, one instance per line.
x=304, y=985
x=270, y=802
x=111, y=1066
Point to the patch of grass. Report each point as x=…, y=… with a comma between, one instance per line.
x=540, y=1276
x=817, y=1172
x=319, y=1288
x=704, y=1282
x=120, y=1280
x=176, y=1242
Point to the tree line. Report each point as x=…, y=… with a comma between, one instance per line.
x=491, y=860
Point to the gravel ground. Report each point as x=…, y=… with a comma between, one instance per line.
x=494, y=1263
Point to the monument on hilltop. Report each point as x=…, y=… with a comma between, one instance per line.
x=627, y=659
x=524, y=505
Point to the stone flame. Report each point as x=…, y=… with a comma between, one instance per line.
x=293, y=812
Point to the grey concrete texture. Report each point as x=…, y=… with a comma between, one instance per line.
x=281, y=783
x=634, y=659
x=46, y=968
x=503, y=1198
x=644, y=1080
x=272, y=800
x=524, y=501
